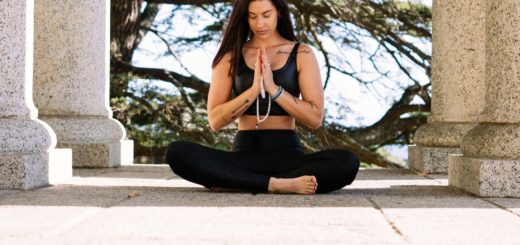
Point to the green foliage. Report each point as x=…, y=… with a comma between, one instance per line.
x=367, y=165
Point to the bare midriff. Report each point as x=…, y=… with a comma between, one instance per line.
x=248, y=122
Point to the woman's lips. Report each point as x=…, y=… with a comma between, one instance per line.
x=262, y=32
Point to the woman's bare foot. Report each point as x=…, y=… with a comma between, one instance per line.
x=306, y=185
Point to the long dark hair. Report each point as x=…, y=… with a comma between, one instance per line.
x=237, y=31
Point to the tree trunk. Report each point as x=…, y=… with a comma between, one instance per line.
x=124, y=32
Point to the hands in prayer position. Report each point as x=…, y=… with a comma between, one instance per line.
x=263, y=73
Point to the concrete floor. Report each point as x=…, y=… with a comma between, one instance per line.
x=142, y=204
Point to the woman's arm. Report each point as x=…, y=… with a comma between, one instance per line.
x=309, y=109
x=221, y=110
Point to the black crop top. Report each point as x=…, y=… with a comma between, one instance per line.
x=287, y=77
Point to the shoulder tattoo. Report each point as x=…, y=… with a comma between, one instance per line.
x=282, y=52
x=304, y=51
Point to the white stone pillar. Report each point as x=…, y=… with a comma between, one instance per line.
x=490, y=164
x=71, y=76
x=28, y=158
x=458, y=65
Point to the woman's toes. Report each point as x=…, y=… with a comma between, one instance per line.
x=312, y=179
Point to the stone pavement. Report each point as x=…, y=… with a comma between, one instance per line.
x=142, y=204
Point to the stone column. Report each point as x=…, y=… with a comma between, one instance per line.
x=490, y=164
x=28, y=158
x=457, y=77
x=71, y=76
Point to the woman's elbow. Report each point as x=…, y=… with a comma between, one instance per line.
x=213, y=128
x=213, y=125
x=315, y=125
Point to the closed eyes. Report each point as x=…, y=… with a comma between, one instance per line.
x=254, y=17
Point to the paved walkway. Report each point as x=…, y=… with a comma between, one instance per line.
x=143, y=204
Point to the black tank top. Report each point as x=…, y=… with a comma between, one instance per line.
x=287, y=77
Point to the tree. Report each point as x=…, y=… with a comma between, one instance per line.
x=154, y=118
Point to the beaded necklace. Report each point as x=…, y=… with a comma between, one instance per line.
x=262, y=93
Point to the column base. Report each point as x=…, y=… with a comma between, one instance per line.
x=429, y=160
x=102, y=155
x=484, y=177
x=95, y=141
x=442, y=134
x=28, y=171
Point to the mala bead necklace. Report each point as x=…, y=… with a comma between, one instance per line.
x=269, y=99
x=262, y=93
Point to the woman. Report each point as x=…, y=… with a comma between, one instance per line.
x=260, y=61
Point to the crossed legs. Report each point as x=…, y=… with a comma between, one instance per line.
x=319, y=172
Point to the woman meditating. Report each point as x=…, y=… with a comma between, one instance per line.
x=274, y=80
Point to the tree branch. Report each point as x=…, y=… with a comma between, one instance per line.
x=160, y=74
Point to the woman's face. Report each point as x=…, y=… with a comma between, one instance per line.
x=262, y=18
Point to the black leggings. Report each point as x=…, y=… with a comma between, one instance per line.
x=258, y=155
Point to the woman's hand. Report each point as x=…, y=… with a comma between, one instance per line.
x=267, y=73
x=258, y=74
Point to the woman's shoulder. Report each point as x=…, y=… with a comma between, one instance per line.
x=304, y=48
x=227, y=57
x=225, y=61
x=305, y=56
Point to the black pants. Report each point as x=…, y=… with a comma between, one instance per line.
x=258, y=155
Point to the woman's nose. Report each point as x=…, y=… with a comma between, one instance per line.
x=260, y=22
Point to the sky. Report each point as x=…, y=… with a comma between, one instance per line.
x=367, y=106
